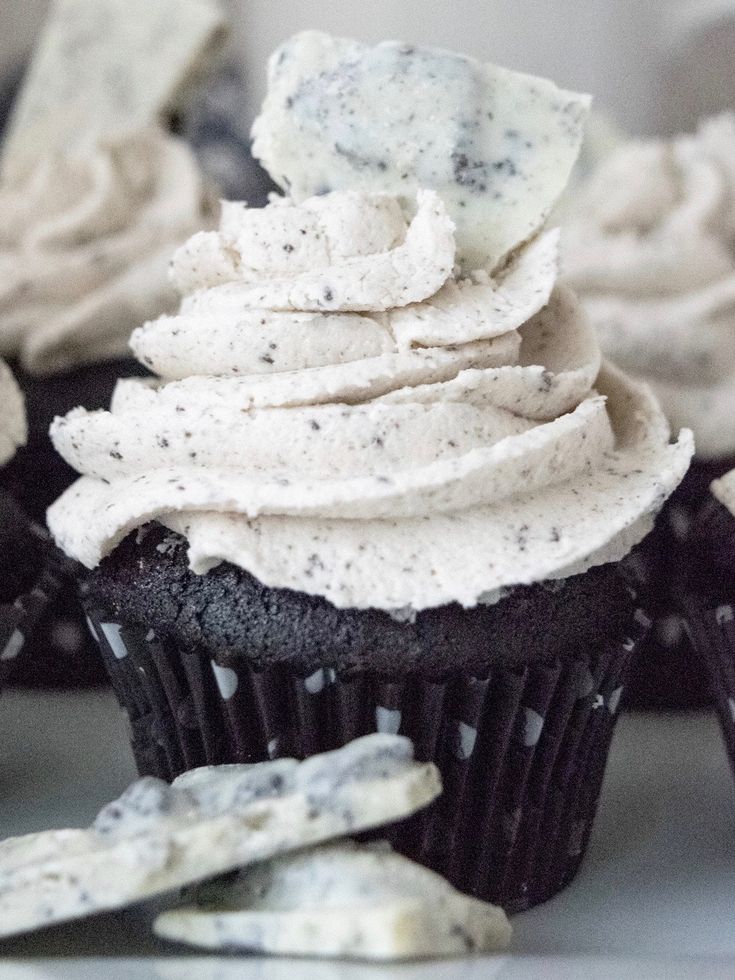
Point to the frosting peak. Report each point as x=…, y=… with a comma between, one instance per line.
x=398, y=444
x=84, y=245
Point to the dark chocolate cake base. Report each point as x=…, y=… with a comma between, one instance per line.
x=516, y=702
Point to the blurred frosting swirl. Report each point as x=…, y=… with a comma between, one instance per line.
x=85, y=240
x=650, y=248
x=338, y=413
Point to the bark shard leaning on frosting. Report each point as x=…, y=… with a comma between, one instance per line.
x=331, y=452
x=156, y=838
x=649, y=245
x=341, y=900
x=105, y=67
x=498, y=146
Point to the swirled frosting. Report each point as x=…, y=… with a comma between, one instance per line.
x=13, y=426
x=85, y=241
x=650, y=248
x=338, y=413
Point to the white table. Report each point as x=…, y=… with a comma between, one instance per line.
x=655, y=897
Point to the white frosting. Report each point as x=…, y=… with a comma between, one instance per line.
x=340, y=900
x=13, y=426
x=85, y=242
x=343, y=466
x=650, y=246
x=498, y=146
x=157, y=838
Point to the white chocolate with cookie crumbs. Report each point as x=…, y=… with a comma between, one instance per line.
x=157, y=838
x=498, y=146
x=341, y=900
x=650, y=247
x=104, y=68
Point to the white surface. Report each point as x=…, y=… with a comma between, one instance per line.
x=654, y=899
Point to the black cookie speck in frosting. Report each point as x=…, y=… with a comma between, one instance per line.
x=37, y=475
x=147, y=581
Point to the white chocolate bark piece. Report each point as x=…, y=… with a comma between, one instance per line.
x=108, y=66
x=498, y=146
x=343, y=900
x=157, y=838
x=13, y=424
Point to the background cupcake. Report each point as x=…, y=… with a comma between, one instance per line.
x=705, y=587
x=94, y=194
x=34, y=574
x=651, y=250
x=370, y=493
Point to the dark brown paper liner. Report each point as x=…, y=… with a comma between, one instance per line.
x=712, y=633
x=522, y=752
x=667, y=674
x=20, y=620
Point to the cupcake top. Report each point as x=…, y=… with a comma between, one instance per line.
x=650, y=247
x=13, y=427
x=343, y=409
x=370, y=427
x=85, y=241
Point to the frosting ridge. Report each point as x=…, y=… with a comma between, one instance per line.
x=377, y=461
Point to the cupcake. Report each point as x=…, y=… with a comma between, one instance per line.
x=705, y=587
x=34, y=574
x=650, y=249
x=382, y=482
x=94, y=196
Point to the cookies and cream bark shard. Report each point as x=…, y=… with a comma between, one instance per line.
x=724, y=491
x=105, y=67
x=342, y=900
x=157, y=838
x=13, y=424
x=498, y=146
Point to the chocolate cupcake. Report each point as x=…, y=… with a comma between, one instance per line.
x=650, y=248
x=705, y=587
x=374, y=489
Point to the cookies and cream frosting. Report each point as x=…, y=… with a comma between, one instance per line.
x=85, y=241
x=650, y=248
x=340, y=411
x=13, y=425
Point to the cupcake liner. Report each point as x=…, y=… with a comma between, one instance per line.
x=712, y=633
x=21, y=619
x=522, y=751
x=707, y=598
x=667, y=674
